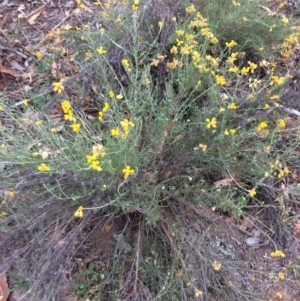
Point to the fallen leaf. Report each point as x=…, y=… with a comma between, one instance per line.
x=7, y=71
x=33, y=18
x=107, y=228
x=247, y=223
x=295, y=177
x=297, y=228
x=224, y=182
x=54, y=69
x=21, y=7
x=4, y=290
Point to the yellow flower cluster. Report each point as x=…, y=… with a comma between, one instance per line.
x=115, y=132
x=252, y=192
x=101, y=50
x=58, y=87
x=198, y=294
x=220, y=80
x=216, y=265
x=44, y=167
x=232, y=106
x=98, y=151
x=126, y=65
x=125, y=125
x=127, y=171
x=156, y=61
x=262, y=126
x=277, y=253
x=101, y=113
x=79, y=212
x=281, y=123
x=277, y=80
x=68, y=112
x=230, y=132
x=211, y=122
x=281, y=275
x=135, y=4
x=231, y=44
x=203, y=147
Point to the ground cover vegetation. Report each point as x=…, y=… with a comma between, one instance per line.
x=164, y=163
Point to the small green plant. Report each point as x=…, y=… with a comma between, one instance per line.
x=165, y=120
x=18, y=282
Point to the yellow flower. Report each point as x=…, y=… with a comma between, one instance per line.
x=233, y=69
x=11, y=193
x=43, y=167
x=127, y=171
x=88, y=54
x=245, y=70
x=174, y=49
x=222, y=110
x=198, y=293
x=160, y=24
x=262, y=126
x=4, y=202
x=39, y=55
x=252, y=66
x=278, y=295
x=180, y=32
x=173, y=65
x=75, y=127
x=125, y=124
x=119, y=96
x=271, y=28
x=244, y=19
x=230, y=132
x=220, y=80
x=252, y=192
x=278, y=80
x=115, y=132
x=98, y=149
x=101, y=50
x=3, y=213
x=281, y=275
x=235, y=3
x=38, y=122
x=216, y=265
x=214, y=40
x=66, y=106
x=277, y=253
x=203, y=147
x=111, y=94
x=281, y=123
x=126, y=65
x=53, y=130
x=58, y=87
x=190, y=9
x=211, y=122
x=25, y=102
x=267, y=106
x=285, y=20
x=79, y=212
x=231, y=44
x=232, y=106
x=272, y=97
x=232, y=57
x=251, y=97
